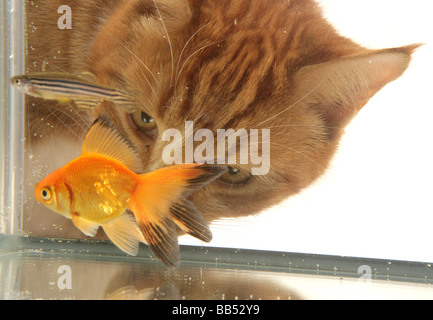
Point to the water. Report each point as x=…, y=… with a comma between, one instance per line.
x=11, y=115
x=70, y=269
x=43, y=270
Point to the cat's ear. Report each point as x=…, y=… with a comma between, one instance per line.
x=340, y=88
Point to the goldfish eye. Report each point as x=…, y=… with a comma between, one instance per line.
x=144, y=122
x=46, y=194
x=236, y=175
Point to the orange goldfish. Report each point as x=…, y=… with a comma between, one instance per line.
x=102, y=187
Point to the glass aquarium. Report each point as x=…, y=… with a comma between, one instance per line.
x=361, y=231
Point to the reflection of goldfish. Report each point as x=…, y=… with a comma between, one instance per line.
x=101, y=186
x=64, y=87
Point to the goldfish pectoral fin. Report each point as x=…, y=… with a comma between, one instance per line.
x=85, y=226
x=190, y=220
x=104, y=138
x=124, y=233
x=162, y=239
x=87, y=103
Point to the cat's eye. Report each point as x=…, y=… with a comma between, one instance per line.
x=144, y=122
x=46, y=194
x=235, y=175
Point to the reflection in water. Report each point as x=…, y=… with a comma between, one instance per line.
x=65, y=278
x=196, y=283
x=42, y=269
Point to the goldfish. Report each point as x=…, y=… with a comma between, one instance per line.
x=105, y=187
x=81, y=88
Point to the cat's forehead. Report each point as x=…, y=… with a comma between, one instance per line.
x=240, y=56
x=218, y=60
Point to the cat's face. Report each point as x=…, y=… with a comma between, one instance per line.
x=267, y=65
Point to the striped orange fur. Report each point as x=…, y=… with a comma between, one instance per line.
x=253, y=64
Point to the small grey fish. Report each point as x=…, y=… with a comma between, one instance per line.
x=64, y=87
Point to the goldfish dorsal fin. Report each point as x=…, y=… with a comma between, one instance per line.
x=124, y=233
x=104, y=138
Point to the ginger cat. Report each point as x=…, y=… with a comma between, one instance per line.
x=273, y=65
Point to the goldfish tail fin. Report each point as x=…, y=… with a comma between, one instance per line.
x=162, y=239
x=159, y=205
x=188, y=218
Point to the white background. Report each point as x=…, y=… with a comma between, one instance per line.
x=376, y=199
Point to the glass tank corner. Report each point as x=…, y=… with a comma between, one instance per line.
x=12, y=53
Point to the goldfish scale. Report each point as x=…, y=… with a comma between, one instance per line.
x=101, y=189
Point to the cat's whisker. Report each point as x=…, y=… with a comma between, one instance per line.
x=298, y=152
x=169, y=42
x=226, y=226
x=142, y=63
x=183, y=49
x=148, y=82
x=295, y=103
x=87, y=121
x=195, y=52
x=46, y=62
x=302, y=126
x=229, y=226
x=84, y=125
x=52, y=113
